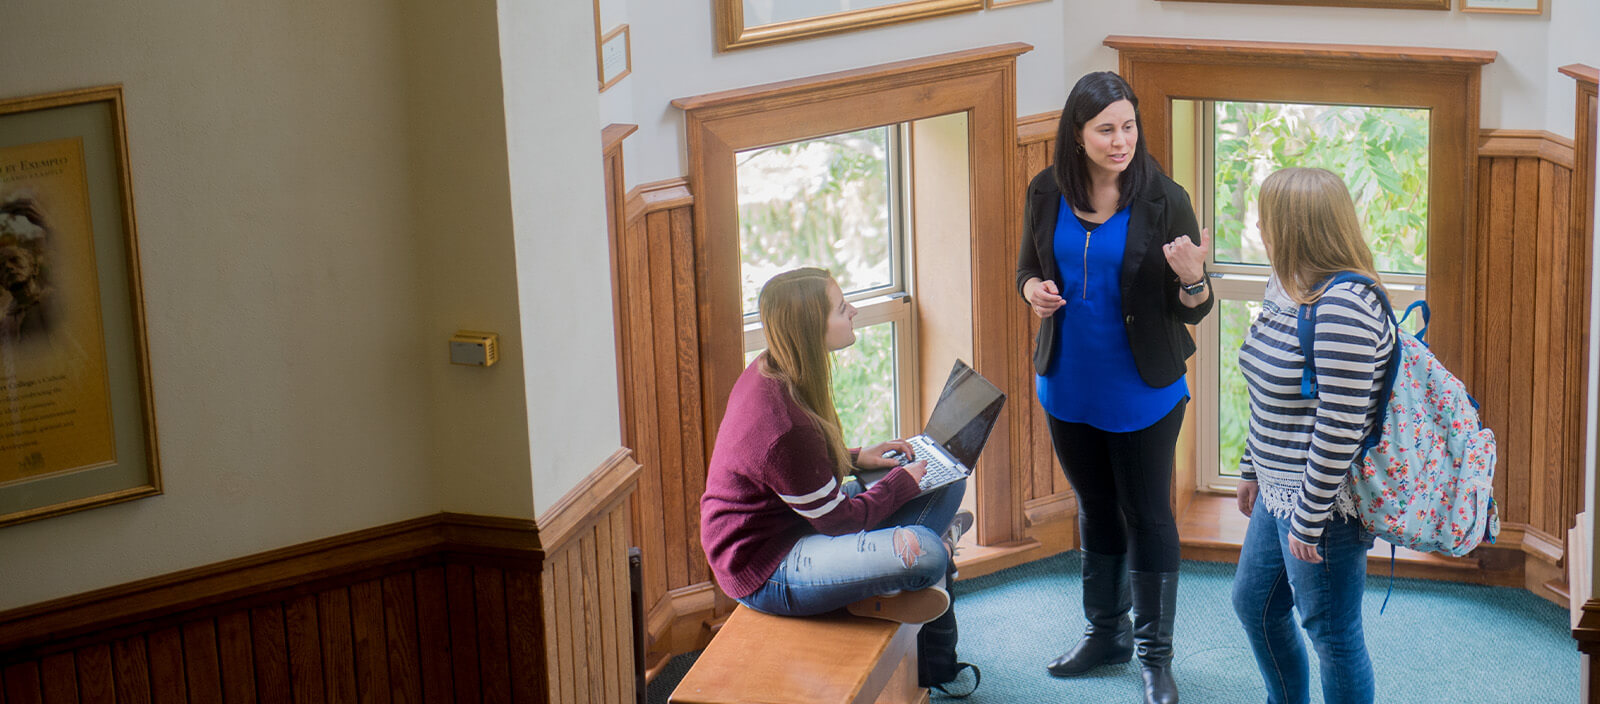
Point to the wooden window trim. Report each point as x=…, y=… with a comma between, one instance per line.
x=1445, y=81
x=979, y=82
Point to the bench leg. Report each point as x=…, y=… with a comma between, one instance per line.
x=902, y=687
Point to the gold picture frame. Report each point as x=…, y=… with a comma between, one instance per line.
x=614, y=56
x=77, y=419
x=1504, y=7
x=734, y=32
x=1384, y=4
x=998, y=4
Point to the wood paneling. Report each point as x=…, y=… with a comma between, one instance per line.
x=662, y=370
x=1528, y=368
x=446, y=608
x=436, y=609
x=585, y=604
x=1036, y=144
x=660, y=364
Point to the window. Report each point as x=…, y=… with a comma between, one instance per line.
x=839, y=203
x=965, y=208
x=1382, y=155
x=1179, y=83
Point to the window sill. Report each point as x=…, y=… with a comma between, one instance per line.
x=1212, y=530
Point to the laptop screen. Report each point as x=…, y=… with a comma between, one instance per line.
x=965, y=413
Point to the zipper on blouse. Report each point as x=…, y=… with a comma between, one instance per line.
x=1087, y=234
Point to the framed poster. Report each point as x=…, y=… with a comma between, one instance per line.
x=77, y=424
x=1504, y=7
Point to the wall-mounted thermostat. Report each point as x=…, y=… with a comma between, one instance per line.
x=478, y=349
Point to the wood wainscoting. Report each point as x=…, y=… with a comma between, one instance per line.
x=442, y=608
x=1530, y=354
x=1050, y=508
x=421, y=610
x=588, y=619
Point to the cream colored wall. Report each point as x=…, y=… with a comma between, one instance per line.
x=460, y=221
x=673, y=54
x=562, y=255
x=324, y=194
x=270, y=157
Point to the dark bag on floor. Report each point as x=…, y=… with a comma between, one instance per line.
x=937, y=667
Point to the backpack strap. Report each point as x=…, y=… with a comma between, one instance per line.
x=1306, y=328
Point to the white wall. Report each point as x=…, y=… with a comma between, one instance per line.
x=673, y=54
x=460, y=208
x=1574, y=27
x=563, y=265
x=271, y=196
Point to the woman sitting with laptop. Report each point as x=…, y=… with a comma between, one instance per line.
x=783, y=530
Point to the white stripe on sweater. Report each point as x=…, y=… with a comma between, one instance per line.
x=813, y=496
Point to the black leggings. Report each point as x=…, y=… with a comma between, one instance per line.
x=1124, y=487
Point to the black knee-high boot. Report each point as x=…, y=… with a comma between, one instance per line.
x=1155, y=606
x=1108, y=639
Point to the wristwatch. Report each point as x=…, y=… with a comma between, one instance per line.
x=1195, y=288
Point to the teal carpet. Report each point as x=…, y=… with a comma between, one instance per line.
x=1437, y=642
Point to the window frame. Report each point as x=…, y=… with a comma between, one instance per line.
x=888, y=303
x=1444, y=81
x=1244, y=282
x=978, y=82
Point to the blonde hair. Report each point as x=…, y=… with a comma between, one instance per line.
x=794, y=312
x=1310, y=227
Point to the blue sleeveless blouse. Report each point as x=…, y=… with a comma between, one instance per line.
x=1092, y=378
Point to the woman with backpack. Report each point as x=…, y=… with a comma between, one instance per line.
x=784, y=532
x=1306, y=548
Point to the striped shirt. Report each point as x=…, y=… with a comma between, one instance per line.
x=1300, y=450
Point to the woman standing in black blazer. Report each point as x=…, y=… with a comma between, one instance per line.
x=1114, y=262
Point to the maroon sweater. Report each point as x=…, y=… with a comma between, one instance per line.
x=770, y=483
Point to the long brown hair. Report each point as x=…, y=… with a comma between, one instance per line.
x=794, y=312
x=1310, y=227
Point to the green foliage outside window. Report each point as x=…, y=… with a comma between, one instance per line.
x=863, y=386
x=825, y=203
x=822, y=202
x=1382, y=155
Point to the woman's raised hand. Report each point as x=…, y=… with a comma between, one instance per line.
x=1043, y=297
x=1187, y=259
x=878, y=456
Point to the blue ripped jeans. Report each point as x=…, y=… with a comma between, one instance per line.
x=827, y=572
x=1271, y=582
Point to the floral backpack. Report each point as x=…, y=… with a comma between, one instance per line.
x=1426, y=481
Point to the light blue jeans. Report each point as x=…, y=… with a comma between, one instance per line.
x=827, y=572
x=1271, y=582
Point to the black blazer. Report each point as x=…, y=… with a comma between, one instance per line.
x=1151, y=311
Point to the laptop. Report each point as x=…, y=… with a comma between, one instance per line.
x=956, y=432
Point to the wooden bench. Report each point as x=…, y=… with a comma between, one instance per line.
x=818, y=660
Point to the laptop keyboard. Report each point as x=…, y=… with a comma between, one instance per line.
x=940, y=470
